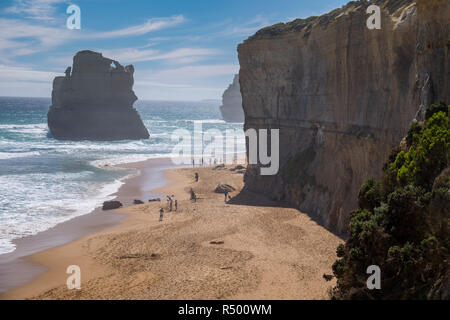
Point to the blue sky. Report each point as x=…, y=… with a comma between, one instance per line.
x=181, y=49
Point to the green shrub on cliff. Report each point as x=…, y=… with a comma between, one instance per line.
x=402, y=225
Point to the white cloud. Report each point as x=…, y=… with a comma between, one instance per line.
x=23, y=81
x=149, y=26
x=181, y=55
x=11, y=74
x=160, y=84
x=177, y=93
x=18, y=37
x=246, y=29
x=43, y=10
x=220, y=30
x=34, y=31
x=185, y=53
x=128, y=55
x=189, y=73
x=184, y=83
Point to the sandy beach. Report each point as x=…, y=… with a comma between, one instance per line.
x=248, y=248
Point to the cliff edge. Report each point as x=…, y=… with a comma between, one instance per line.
x=342, y=96
x=94, y=101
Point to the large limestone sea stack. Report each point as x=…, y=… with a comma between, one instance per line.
x=94, y=101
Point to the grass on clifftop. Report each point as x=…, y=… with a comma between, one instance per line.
x=402, y=224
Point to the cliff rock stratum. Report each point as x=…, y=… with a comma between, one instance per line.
x=342, y=96
x=94, y=101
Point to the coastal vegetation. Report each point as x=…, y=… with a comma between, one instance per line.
x=402, y=224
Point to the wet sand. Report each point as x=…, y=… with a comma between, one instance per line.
x=17, y=269
x=248, y=248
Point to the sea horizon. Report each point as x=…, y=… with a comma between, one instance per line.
x=218, y=101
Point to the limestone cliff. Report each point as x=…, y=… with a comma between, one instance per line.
x=94, y=101
x=231, y=108
x=342, y=96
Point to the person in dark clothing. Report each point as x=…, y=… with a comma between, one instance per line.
x=196, y=177
x=193, y=196
x=161, y=214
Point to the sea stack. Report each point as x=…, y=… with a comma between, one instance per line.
x=231, y=108
x=94, y=101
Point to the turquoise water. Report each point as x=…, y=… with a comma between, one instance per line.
x=44, y=181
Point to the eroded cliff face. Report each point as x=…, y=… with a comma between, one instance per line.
x=342, y=96
x=231, y=108
x=94, y=101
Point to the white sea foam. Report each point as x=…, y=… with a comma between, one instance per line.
x=210, y=121
x=12, y=155
x=40, y=128
x=126, y=159
x=39, y=213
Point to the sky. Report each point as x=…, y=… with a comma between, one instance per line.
x=181, y=49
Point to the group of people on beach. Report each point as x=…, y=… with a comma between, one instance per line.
x=193, y=197
x=170, y=203
x=202, y=162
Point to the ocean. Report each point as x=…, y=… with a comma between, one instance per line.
x=44, y=181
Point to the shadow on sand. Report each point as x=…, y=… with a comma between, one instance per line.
x=249, y=198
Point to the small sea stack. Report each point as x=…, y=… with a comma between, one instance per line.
x=231, y=108
x=94, y=101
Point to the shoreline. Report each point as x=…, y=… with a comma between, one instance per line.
x=17, y=268
x=248, y=248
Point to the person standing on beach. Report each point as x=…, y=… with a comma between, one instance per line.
x=226, y=196
x=170, y=205
x=196, y=177
x=161, y=214
x=193, y=196
x=176, y=205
